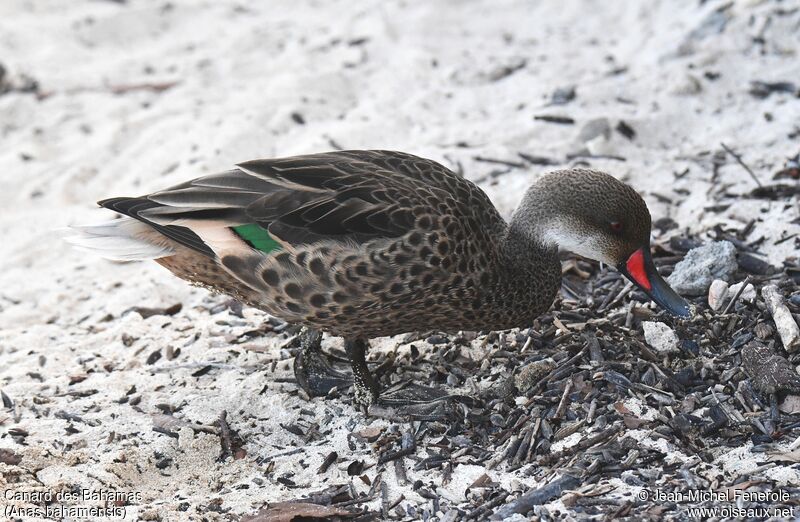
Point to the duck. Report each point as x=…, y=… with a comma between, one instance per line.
x=370, y=243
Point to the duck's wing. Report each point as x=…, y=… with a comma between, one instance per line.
x=345, y=196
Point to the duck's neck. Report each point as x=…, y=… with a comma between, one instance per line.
x=526, y=258
x=528, y=244
x=543, y=219
x=530, y=272
x=534, y=224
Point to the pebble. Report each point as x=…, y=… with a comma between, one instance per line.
x=717, y=294
x=695, y=273
x=563, y=95
x=593, y=129
x=748, y=294
x=790, y=405
x=660, y=337
x=784, y=322
x=185, y=437
x=687, y=85
x=370, y=434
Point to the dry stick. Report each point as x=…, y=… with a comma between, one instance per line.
x=537, y=497
x=513, y=446
x=736, y=297
x=480, y=510
x=532, y=447
x=153, y=87
x=592, y=410
x=400, y=472
x=394, y=455
x=611, y=293
x=622, y=293
x=562, y=405
x=738, y=158
x=330, y=459
x=568, y=430
x=225, y=435
x=784, y=239
x=582, y=445
x=384, y=500
x=396, y=502
x=784, y=321
x=354, y=501
x=522, y=450
x=408, y=445
x=512, y=164
x=554, y=375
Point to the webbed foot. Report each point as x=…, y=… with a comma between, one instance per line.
x=314, y=370
x=316, y=374
x=418, y=402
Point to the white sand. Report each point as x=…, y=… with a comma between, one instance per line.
x=421, y=80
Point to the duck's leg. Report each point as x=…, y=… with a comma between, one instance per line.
x=317, y=376
x=313, y=369
x=405, y=399
x=365, y=388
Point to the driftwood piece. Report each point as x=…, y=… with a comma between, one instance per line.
x=537, y=497
x=787, y=326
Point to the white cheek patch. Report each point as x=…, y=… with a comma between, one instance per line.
x=567, y=236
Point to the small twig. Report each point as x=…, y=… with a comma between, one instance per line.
x=330, y=459
x=736, y=297
x=784, y=239
x=225, y=438
x=400, y=472
x=522, y=450
x=536, y=497
x=582, y=445
x=153, y=87
x=384, y=500
x=621, y=295
x=562, y=405
x=512, y=164
x=563, y=120
x=537, y=160
x=355, y=501
x=165, y=431
x=739, y=160
x=334, y=144
x=580, y=155
x=480, y=510
x=610, y=295
x=294, y=451
x=408, y=445
x=393, y=455
x=73, y=417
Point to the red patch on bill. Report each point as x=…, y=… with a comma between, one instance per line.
x=635, y=267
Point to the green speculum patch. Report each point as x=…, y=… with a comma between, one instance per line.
x=257, y=237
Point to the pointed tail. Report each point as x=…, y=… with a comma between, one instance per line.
x=123, y=239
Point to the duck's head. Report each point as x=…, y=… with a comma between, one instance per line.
x=598, y=217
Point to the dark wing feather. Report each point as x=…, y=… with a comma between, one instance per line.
x=134, y=206
x=351, y=196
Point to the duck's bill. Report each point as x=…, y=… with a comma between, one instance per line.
x=639, y=268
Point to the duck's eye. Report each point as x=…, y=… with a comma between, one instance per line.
x=616, y=227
